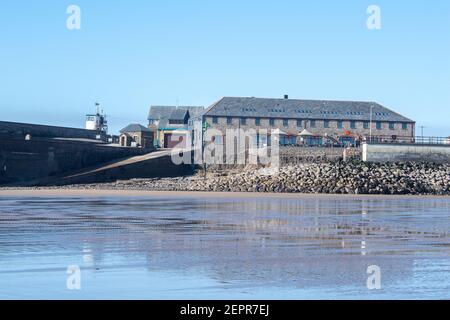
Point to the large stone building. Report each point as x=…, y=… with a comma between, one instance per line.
x=172, y=125
x=310, y=122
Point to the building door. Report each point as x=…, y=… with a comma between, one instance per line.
x=172, y=140
x=123, y=141
x=147, y=142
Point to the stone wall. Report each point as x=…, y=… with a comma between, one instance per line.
x=154, y=168
x=297, y=155
x=405, y=152
x=289, y=155
x=14, y=129
x=22, y=160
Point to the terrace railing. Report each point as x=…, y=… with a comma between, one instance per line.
x=420, y=140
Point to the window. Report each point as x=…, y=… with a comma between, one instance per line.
x=243, y=121
x=258, y=121
x=299, y=123
x=340, y=124
x=262, y=140
x=286, y=123
x=378, y=125
x=218, y=139
x=326, y=123
x=313, y=123
x=284, y=140
x=392, y=125
x=288, y=140
x=272, y=122
x=404, y=126
x=215, y=120
x=172, y=121
x=314, y=141
x=229, y=120
x=366, y=125
x=353, y=124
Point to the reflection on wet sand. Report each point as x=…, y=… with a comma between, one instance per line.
x=241, y=245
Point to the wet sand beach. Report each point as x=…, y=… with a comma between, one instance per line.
x=56, y=192
x=183, y=245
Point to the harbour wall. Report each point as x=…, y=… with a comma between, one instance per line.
x=22, y=160
x=405, y=153
x=20, y=130
x=153, y=167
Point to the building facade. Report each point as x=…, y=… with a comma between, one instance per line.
x=310, y=122
x=173, y=126
x=136, y=135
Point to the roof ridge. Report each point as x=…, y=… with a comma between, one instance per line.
x=296, y=99
x=134, y=127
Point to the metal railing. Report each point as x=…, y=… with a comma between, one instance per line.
x=422, y=140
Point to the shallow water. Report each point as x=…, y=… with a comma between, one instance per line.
x=179, y=247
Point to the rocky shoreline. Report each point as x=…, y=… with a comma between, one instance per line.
x=309, y=178
x=339, y=178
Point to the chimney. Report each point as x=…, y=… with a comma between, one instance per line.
x=286, y=97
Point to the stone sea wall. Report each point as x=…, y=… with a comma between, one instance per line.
x=298, y=155
x=22, y=161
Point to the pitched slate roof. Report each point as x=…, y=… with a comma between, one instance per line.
x=303, y=109
x=179, y=114
x=161, y=112
x=135, y=127
x=194, y=111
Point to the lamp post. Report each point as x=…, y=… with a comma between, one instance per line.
x=205, y=127
x=422, y=127
x=305, y=141
x=370, y=124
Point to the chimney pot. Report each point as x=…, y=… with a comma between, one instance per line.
x=286, y=96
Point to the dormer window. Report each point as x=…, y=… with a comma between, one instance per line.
x=173, y=121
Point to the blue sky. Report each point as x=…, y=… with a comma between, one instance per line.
x=131, y=54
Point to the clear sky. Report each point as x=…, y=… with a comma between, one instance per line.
x=131, y=54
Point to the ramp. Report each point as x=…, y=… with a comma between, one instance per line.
x=153, y=165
